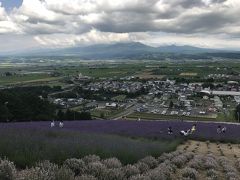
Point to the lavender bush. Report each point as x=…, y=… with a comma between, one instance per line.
x=7, y=170
x=210, y=162
x=78, y=166
x=190, y=173
x=212, y=174
x=97, y=169
x=230, y=171
x=85, y=177
x=197, y=162
x=64, y=174
x=181, y=160
x=112, y=163
x=129, y=171
x=140, y=177
x=238, y=164
x=150, y=161
x=113, y=174
x=142, y=167
x=91, y=159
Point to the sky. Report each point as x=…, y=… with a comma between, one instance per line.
x=37, y=24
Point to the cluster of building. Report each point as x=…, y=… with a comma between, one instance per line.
x=115, y=86
x=160, y=97
x=68, y=102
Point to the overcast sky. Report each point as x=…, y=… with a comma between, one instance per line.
x=31, y=24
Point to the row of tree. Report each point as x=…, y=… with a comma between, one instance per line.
x=26, y=104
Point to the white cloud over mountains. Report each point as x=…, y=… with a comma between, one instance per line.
x=72, y=22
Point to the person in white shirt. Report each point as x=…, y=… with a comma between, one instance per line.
x=185, y=133
x=61, y=124
x=52, y=124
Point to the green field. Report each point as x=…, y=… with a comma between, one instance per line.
x=31, y=78
x=150, y=116
x=105, y=113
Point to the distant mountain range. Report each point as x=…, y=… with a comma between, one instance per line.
x=133, y=50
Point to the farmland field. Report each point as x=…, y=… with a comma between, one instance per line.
x=32, y=78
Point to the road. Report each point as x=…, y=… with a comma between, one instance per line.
x=128, y=111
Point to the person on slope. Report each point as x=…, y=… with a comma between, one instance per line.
x=185, y=133
x=170, y=131
x=61, y=124
x=52, y=124
x=193, y=128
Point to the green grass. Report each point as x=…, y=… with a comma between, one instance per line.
x=150, y=116
x=230, y=117
x=26, y=147
x=108, y=113
x=119, y=98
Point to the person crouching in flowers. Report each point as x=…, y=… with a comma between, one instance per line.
x=52, y=124
x=193, y=128
x=61, y=124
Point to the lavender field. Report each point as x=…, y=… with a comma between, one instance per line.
x=147, y=129
x=29, y=142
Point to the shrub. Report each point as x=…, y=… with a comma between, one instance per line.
x=113, y=174
x=181, y=160
x=64, y=173
x=140, y=177
x=163, y=171
x=85, y=177
x=130, y=170
x=35, y=174
x=97, y=169
x=47, y=166
x=150, y=161
x=232, y=176
x=210, y=162
x=7, y=170
x=156, y=174
x=42, y=171
x=190, y=173
x=231, y=172
x=168, y=156
x=112, y=163
x=142, y=167
x=169, y=166
x=238, y=164
x=196, y=162
x=91, y=158
x=78, y=166
x=212, y=174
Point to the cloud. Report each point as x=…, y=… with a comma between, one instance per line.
x=92, y=37
x=101, y=21
x=6, y=25
x=124, y=16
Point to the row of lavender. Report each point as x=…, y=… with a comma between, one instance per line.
x=155, y=129
x=178, y=164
